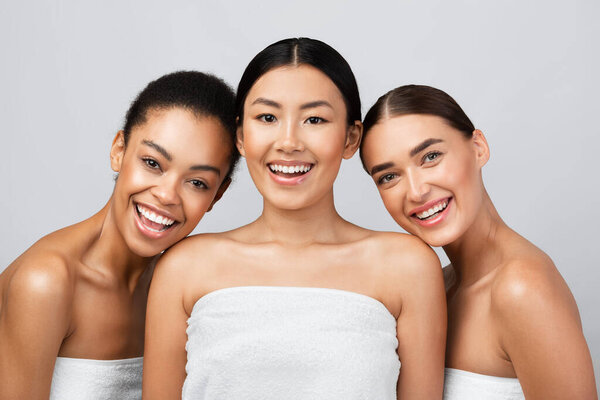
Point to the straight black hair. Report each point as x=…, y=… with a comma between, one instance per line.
x=298, y=51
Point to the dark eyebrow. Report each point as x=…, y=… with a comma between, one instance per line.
x=317, y=103
x=165, y=153
x=158, y=148
x=206, y=168
x=381, y=167
x=267, y=102
x=423, y=145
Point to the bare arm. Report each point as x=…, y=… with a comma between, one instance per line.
x=34, y=320
x=421, y=326
x=166, y=322
x=541, y=332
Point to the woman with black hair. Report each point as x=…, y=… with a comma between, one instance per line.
x=299, y=304
x=72, y=307
x=513, y=326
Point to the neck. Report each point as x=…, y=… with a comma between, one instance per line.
x=478, y=251
x=316, y=223
x=110, y=255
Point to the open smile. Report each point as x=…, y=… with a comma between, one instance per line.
x=289, y=172
x=152, y=223
x=431, y=213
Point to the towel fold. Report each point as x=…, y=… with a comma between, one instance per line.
x=264, y=342
x=79, y=379
x=465, y=385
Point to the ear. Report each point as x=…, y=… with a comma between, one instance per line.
x=239, y=137
x=117, y=151
x=480, y=145
x=220, y=192
x=353, y=138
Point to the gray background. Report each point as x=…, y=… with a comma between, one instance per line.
x=526, y=72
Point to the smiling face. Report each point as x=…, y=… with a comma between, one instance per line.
x=170, y=174
x=428, y=175
x=294, y=135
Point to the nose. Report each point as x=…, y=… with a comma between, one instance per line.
x=417, y=188
x=166, y=191
x=289, y=139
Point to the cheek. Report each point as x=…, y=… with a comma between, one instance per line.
x=393, y=202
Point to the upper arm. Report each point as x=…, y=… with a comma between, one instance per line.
x=541, y=332
x=166, y=323
x=421, y=325
x=34, y=320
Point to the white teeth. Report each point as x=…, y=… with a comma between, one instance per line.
x=435, y=209
x=159, y=219
x=289, y=169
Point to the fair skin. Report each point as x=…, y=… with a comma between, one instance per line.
x=81, y=291
x=510, y=313
x=296, y=116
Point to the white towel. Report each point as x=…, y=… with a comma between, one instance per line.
x=264, y=342
x=465, y=385
x=85, y=379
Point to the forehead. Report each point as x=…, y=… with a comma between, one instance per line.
x=295, y=85
x=394, y=137
x=186, y=136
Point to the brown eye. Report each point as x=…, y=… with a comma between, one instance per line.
x=315, y=120
x=151, y=163
x=268, y=118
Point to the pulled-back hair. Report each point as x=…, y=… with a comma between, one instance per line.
x=417, y=99
x=299, y=51
x=203, y=94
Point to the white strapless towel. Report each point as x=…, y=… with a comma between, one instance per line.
x=79, y=379
x=465, y=385
x=266, y=342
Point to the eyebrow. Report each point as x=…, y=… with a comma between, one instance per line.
x=423, y=145
x=317, y=103
x=311, y=104
x=267, y=102
x=381, y=167
x=158, y=148
x=165, y=153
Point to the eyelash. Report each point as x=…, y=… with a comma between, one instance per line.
x=319, y=120
x=201, y=186
x=149, y=161
x=437, y=154
x=382, y=179
x=263, y=117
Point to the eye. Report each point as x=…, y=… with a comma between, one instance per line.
x=315, y=120
x=431, y=157
x=197, y=183
x=386, y=178
x=151, y=163
x=268, y=118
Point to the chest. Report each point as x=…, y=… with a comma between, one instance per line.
x=106, y=324
x=473, y=341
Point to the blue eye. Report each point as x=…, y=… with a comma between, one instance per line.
x=386, y=178
x=431, y=157
x=315, y=120
x=268, y=118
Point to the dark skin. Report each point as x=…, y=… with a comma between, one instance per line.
x=81, y=291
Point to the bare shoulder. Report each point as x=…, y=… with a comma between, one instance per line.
x=39, y=285
x=527, y=286
x=403, y=253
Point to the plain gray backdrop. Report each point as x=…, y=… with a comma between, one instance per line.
x=526, y=73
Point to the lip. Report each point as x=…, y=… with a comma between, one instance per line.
x=291, y=181
x=147, y=231
x=434, y=221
